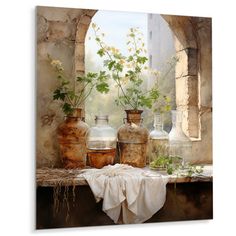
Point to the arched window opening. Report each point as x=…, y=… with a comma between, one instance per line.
x=160, y=50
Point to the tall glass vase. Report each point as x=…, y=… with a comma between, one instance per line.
x=179, y=143
x=158, y=140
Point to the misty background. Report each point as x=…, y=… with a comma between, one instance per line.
x=159, y=42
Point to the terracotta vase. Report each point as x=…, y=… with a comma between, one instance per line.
x=133, y=139
x=72, y=140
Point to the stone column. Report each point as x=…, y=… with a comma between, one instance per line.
x=187, y=90
x=193, y=81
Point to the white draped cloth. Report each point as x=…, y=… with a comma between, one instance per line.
x=130, y=195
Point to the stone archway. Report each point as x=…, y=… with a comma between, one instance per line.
x=81, y=31
x=192, y=36
x=186, y=72
x=193, y=43
x=62, y=31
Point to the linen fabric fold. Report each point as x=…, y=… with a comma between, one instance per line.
x=130, y=195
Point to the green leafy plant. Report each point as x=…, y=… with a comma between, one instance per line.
x=72, y=92
x=126, y=71
x=175, y=165
x=168, y=163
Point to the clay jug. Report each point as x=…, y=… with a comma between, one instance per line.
x=72, y=140
x=133, y=139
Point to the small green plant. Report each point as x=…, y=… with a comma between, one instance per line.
x=168, y=163
x=126, y=71
x=175, y=165
x=73, y=92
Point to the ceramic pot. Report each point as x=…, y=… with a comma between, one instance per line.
x=133, y=139
x=72, y=140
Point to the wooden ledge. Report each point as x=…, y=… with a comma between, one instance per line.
x=52, y=177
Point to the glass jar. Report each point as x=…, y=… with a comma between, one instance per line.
x=179, y=144
x=158, y=141
x=132, y=140
x=101, y=143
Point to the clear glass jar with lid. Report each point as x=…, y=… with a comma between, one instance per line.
x=158, y=141
x=180, y=144
x=101, y=143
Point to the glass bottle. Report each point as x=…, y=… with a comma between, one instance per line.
x=179, y=144
x=101, y=143
x=158, y=141
x=133, y=139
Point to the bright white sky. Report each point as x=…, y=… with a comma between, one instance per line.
x=115, y=25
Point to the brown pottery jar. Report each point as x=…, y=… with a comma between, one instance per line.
x=132, y=140
x=72, y=140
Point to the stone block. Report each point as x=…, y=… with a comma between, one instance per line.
x=42, y=28
x=85, y=19
x=193, y=122
x=79, y=58
x=193, y=93
x=79, y=47
x=187, y=62
x=187, y=91
x=79, y=50
x=81, y=33
x=190, y=120
x=181, y=91
x=79, y=66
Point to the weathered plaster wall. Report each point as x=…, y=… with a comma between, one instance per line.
x=194, y=81
x=60, y=33
x=202, y=149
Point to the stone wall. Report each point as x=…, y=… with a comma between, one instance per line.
x=60, y=33
x=194, y=81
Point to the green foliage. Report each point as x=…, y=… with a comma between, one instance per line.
x=111, y=64
x=59, y=95
x=175, y=165
x=71, y=93
x=141, y=60
x=166, y=163
x=126, y=71
x=103, y=87
x=101, y=52
x=67, y=108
